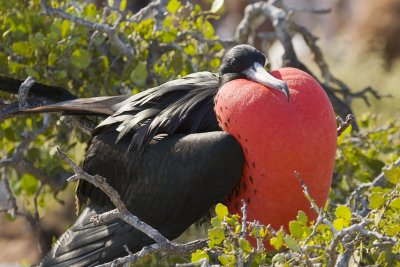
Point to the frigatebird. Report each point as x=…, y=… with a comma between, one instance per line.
x=163, y=150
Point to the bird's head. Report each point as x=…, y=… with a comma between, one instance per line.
x=245, y=61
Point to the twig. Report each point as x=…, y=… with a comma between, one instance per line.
x=162, y=243
x=11, y=201
x=24, y=91
x=242, y=232
x=111, y=31
x=343, y=125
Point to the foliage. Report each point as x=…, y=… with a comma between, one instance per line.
x=366, y=225
x=361, y=217
x=60, y=52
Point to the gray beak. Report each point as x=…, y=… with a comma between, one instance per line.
x=258, y=74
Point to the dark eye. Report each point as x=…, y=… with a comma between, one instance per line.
x=235, y=64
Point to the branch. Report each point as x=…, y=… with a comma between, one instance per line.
x=242, y=232
x=24, y=91
x=343, y=125
x=121, y=212
x=110, y=31
x=23, y=166
x=13, y=210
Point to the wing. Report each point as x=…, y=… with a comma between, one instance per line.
x=174, y=182
x=184, y=105
x=170, y=186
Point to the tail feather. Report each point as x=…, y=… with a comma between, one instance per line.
x=103, y=105
x=86, y=244
x=64, y=101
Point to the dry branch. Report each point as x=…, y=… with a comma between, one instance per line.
x=343, y=124
x=121, y=212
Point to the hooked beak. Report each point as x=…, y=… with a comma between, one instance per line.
x=258, y=74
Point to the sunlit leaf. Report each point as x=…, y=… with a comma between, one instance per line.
x=344, y=134
x=296, y=229
x=221, y=211
x=343, y=212
x=216, y=5
x=199, y=255
x=139, y=74
x=392, y=173
x=302, y=217
x=216, y=235
x=122, y=5
x=29, y=184
x=22, y=48
x=173, y=6
x=81, y=58
x=376, y=200
x=227, y=260
x=245, y=245
x=277, y=241
x=291, y=243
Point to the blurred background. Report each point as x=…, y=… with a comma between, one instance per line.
x=360, y=42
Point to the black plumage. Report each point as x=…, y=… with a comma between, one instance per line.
x=165, y=154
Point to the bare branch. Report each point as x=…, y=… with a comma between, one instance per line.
x=162, y=243
x=167, y=249
x=11, y=201
x=242, y=232
x=343, y=125
x=24, y=91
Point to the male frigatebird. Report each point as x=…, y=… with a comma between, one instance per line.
x=175, y=150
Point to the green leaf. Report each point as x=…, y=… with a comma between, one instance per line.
x=199, y=255
x=296, y=229
x=51, y=58
x=122, y=5
x=392, y=230
x=395, y=204
x=343, y=212
x=291, y=243
x=139, y=74
x=65, y=28
x=32, y=72
x=216, y=221
x=221, y=211
x=81, y=58
x=392, y=173
x=216, y=5
x=279, y=258
x=29, y=184
x=173, y=6
x=90, y=11
x=24, y=49
x=277, y=241
x=227, y=260
x=302, y=217
x=168, y=36
x=345, y=133
x=216, y=236
x=376, y=200
x=340, y=223
x=190, y=50
x=245, y=245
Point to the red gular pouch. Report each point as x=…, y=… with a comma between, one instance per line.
x=278, y=138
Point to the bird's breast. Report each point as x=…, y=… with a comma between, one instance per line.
x=280, y=138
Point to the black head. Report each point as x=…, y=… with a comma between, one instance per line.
x=245, y=61
x=240, y=58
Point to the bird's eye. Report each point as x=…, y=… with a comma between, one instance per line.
x=235, y=64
